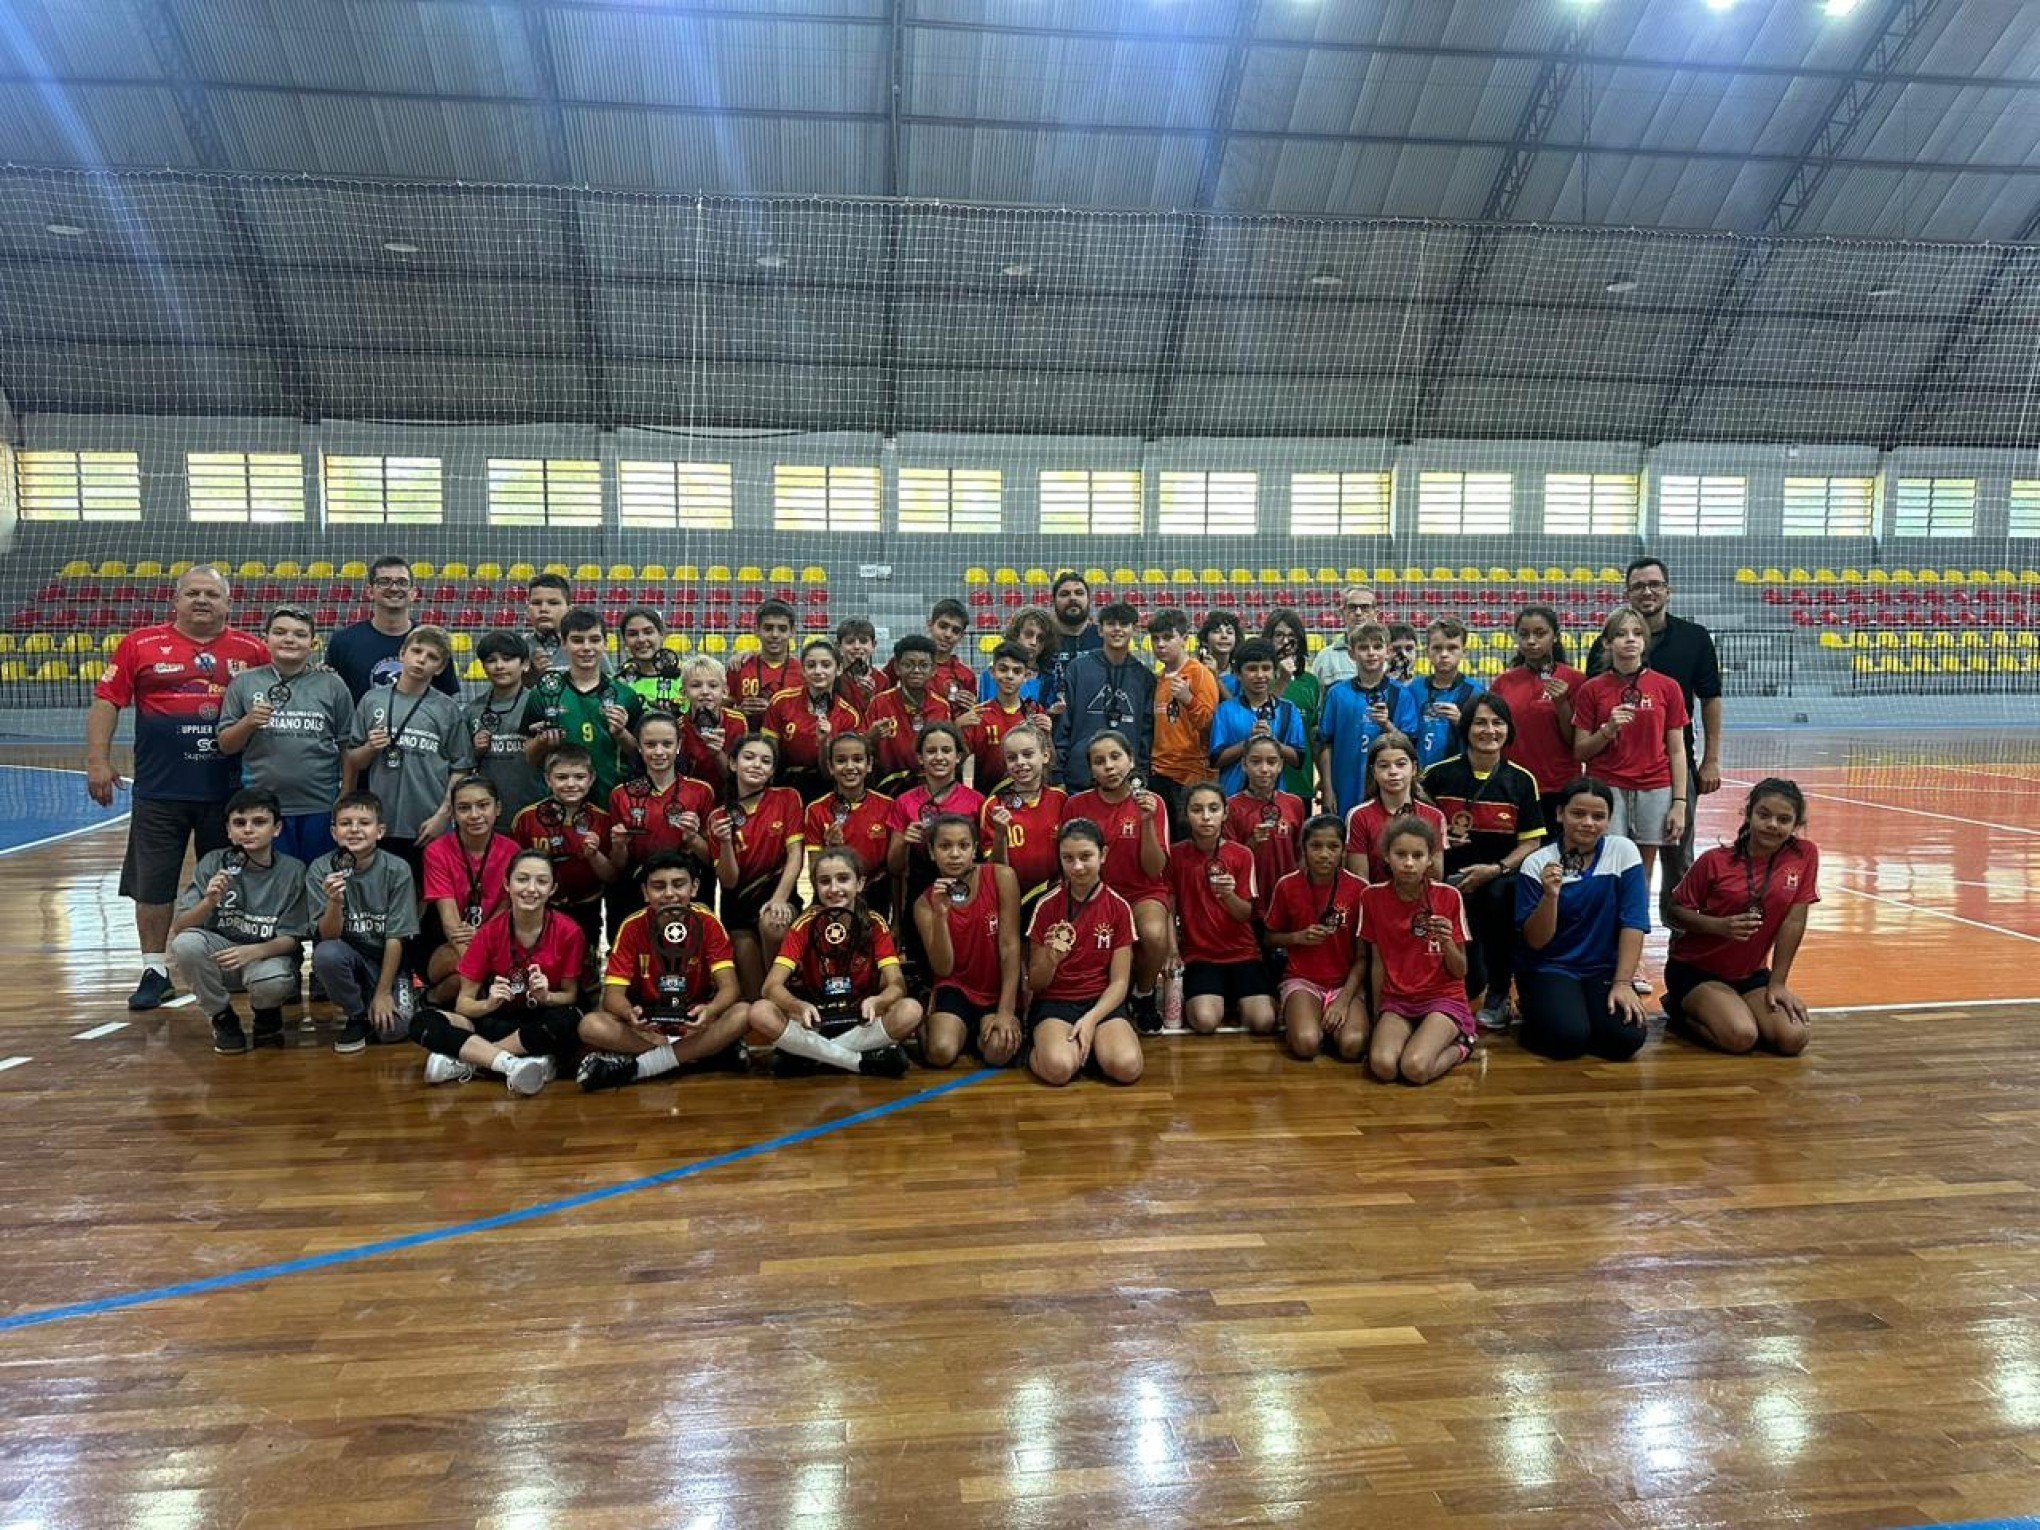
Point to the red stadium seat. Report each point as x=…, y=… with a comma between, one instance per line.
x=327, y=617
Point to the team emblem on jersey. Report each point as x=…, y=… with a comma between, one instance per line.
x=1462, y=822
x=1104, y=937
x=1129, y=829
x=1792, y=881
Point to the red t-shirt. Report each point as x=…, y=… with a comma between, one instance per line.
x=1277, y=855
x=953, y=680
x=637, y=964
x=1368, y=822
x=986, y=739
x=1104, y=924
x=914, y=805
x=828, y=973
x=763, y=837
x=1210, y=932
x=494, y=953
x=1543, y=746
x=703, y=760
x=1639, y=759
x=651, y=816
x=1723, y=884
x=973, y=939
x=794, y=721
x=896, y=752
x=864, y=828
x=751, y=676
x=175, y=685
x=1413, y=966
x=1121, y=822
x=1030, y=836
x=450, y=872
x=544, y=827
x=1298, y=904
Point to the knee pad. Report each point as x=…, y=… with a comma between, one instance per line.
x=549, y=1031
x=431, y=1029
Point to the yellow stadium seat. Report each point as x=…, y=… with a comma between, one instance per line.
x=814, y=573
x=90, y=671
x=354, y=568
x=473, y=671
x=1501, y=576
x=780, y=573
x=1182, y=576
x=746, y=642
x=77, y=568
x=1442, y=575
x=1876, y=576
x=423, y=569
x=612, y=643
x=1833, y=640
x=2003, y=576
x=488, y=572
x=1381, y=576
x=1824, y=576
x=289, y=568
x=623, y=571
x=521, y=573
x=318, y=568
x=9, y=644
x=1771, y=576
x=1122, y=577
x=1852, y=576
x=717, y=573
x=1927, y=576
x=977, y=576
x=687, y=573
x=561, y=569
x=148, y=568
x=2024, y=638
x=1745, y=576
x=182, y=567
x=463, y=643
x=1554, y=576
x=715, y=642
x=1212, y=576
x=588, y=572
x=680, y=642
x=13, y=669
x=990, y=641
x=1094, y=576
x=1333, y=576
x=1414, y=575
x=253, y=568
x=1901, y=576
x=750, y=574
x=1953, y=576
x=38, y=642
x=654, y=573
x=453, y=571
x=1149, y=577
x=1036, y=578
x=1471, y=576
x=1859, y=640
x=1583, y=576
x=113, y=568
x=108, y=642
x=1006, y=578
x=80, y=642
x=53, y=669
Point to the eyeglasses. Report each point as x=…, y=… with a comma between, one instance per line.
x=1648, y=584
x=388, y=583
x=1359, y=605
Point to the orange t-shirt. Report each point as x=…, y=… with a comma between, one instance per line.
x=1182, y=746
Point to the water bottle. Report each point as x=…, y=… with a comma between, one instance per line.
x=1172, y=997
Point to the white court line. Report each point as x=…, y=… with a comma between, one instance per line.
x=179, y=1002
x=1889, y=807
x=13, y=1062
x=101, y=1030
x=51, y=839
x=1936, y=913
x=1860, y=1009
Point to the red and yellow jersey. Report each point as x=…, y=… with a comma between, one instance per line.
x=653, y=817
x=985, y=739
x=862, y=827
x=752, y=678
x=894, y=724
x=659, y=970
x=763, y=833
x=1028, y=826
x=1121, y=822
x=561, y=835
x=803, y=726
x=830, y=962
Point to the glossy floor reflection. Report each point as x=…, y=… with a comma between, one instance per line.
x=1689, y=1291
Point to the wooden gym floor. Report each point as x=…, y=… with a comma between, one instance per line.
x=1689, y=1291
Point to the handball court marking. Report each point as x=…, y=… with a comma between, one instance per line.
x=515, y=1217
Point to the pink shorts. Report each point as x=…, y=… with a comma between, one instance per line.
x=1414, y=1010
x=1324, y=996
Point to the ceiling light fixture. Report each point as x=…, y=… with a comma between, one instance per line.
x=65, y=230
x=1621, y=284
x=1017, y=269
x=1720, y=5
x=1883, y=290
x=1326, y=279
x=1839, y=7
x=399, y=247
x=771, y=262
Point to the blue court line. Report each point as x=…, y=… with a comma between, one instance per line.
x=514, y=1218
x=1987, y=1524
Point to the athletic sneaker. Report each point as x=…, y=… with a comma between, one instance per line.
x=268, y=1028
x=528, y=1075
x=884, y=1062
x=227, y=1035
x=1495, y=1019
x=1146, y=1012
x=447, y=1070
x=1643, y=985
x=606, y=1070
x=353, y=1035
x=151, y=991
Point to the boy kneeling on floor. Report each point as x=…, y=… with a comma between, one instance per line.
x=238, y=924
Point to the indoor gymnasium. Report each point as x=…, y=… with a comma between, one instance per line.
x=1019, y=763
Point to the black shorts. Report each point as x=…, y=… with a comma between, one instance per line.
x=1069, y=1011
x=1681, y=978
x=158, y=830
x=948, y=999
x=742, y=908
x=1231, y=981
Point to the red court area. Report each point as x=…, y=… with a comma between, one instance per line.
x=1930, y=860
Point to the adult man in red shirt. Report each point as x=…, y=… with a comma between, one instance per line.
x=173, y=675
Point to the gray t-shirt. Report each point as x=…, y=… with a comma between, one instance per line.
x=381, y=904
x=429, y=742
x=517, y=780
x=298, y=755
x=264, y=902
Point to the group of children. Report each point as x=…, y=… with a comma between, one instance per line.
x=830, y=861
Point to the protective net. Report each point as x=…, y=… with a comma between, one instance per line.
x=862, y=407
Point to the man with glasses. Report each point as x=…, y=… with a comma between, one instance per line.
x=174, y=676
x=1683, y=652
x=365, y=654
x=1334, y=663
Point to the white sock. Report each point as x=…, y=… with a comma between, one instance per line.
x=156, y=961
x=502, y=1062
x=868, y=1037
x=816, y=1047
x=659, y=1060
